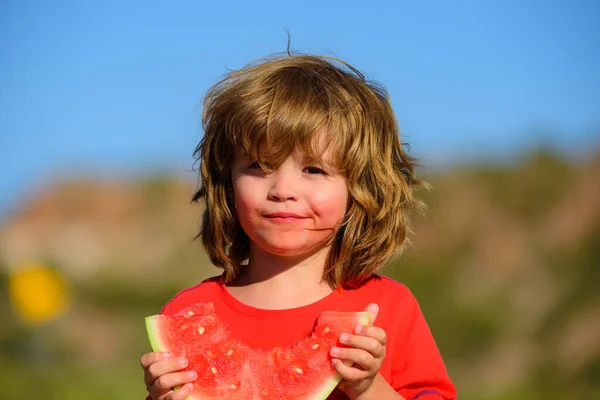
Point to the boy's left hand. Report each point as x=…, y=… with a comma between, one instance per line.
x=365, y=354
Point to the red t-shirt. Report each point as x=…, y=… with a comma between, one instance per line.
x=412, y=366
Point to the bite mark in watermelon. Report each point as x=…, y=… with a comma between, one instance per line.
x=229, y=369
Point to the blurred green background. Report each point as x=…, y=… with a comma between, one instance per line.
x=100, y=105
x=505, y=266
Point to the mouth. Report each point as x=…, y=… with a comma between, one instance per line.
x=284, y=216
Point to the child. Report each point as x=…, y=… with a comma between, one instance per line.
x=307, y=192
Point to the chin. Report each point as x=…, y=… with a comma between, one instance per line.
x=292, y=251
x=289, y=245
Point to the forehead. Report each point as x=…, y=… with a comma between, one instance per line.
x=316, y=147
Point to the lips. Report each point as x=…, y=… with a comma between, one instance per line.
x=284, y=215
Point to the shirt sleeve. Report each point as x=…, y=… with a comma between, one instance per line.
x=418, y=371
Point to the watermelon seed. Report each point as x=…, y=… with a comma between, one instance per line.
x=229, y=352
x=213, y=370
x=232, y=387
x=298, y=370
x=315, y=346
x=184, y=327
x=201, y=330
x=190, y=313
x=326, y=329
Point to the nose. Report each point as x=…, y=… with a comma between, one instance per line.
x=284, y=187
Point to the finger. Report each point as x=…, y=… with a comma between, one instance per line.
x=373, y=332
x=180, y=394
x=160, y=368
x=369, y=344
x=361, y=357
x=349, y=373
x=165, y=383
x=373, y=310
x=151, y=358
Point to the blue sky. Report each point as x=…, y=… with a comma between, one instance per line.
x=114, y=87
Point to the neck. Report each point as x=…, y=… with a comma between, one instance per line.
x=264, y=266
x=274, y=281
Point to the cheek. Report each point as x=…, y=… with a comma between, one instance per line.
x=244, y=201
x=331, y=206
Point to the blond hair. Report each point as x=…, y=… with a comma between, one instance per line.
x=272, y=107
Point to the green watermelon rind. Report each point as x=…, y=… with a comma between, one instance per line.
x=153, y=330
x=361, y=318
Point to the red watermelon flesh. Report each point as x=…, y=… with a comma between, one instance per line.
x=229, y=369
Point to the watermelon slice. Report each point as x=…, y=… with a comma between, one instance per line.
x=229, y=369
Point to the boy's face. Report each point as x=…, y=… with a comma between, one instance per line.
x=292, y=210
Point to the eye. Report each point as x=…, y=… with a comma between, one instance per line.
x=315, y=170
x=258, y=168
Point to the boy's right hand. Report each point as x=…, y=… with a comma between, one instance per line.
x=163, y=372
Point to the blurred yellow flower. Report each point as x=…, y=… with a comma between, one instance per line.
x=38, y=293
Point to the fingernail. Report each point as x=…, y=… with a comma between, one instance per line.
x=358, y=329
x=167, y=355
x=182, y=361
x=192, y=375
x=334, y=361
x=344, y=337
x=334, y=351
